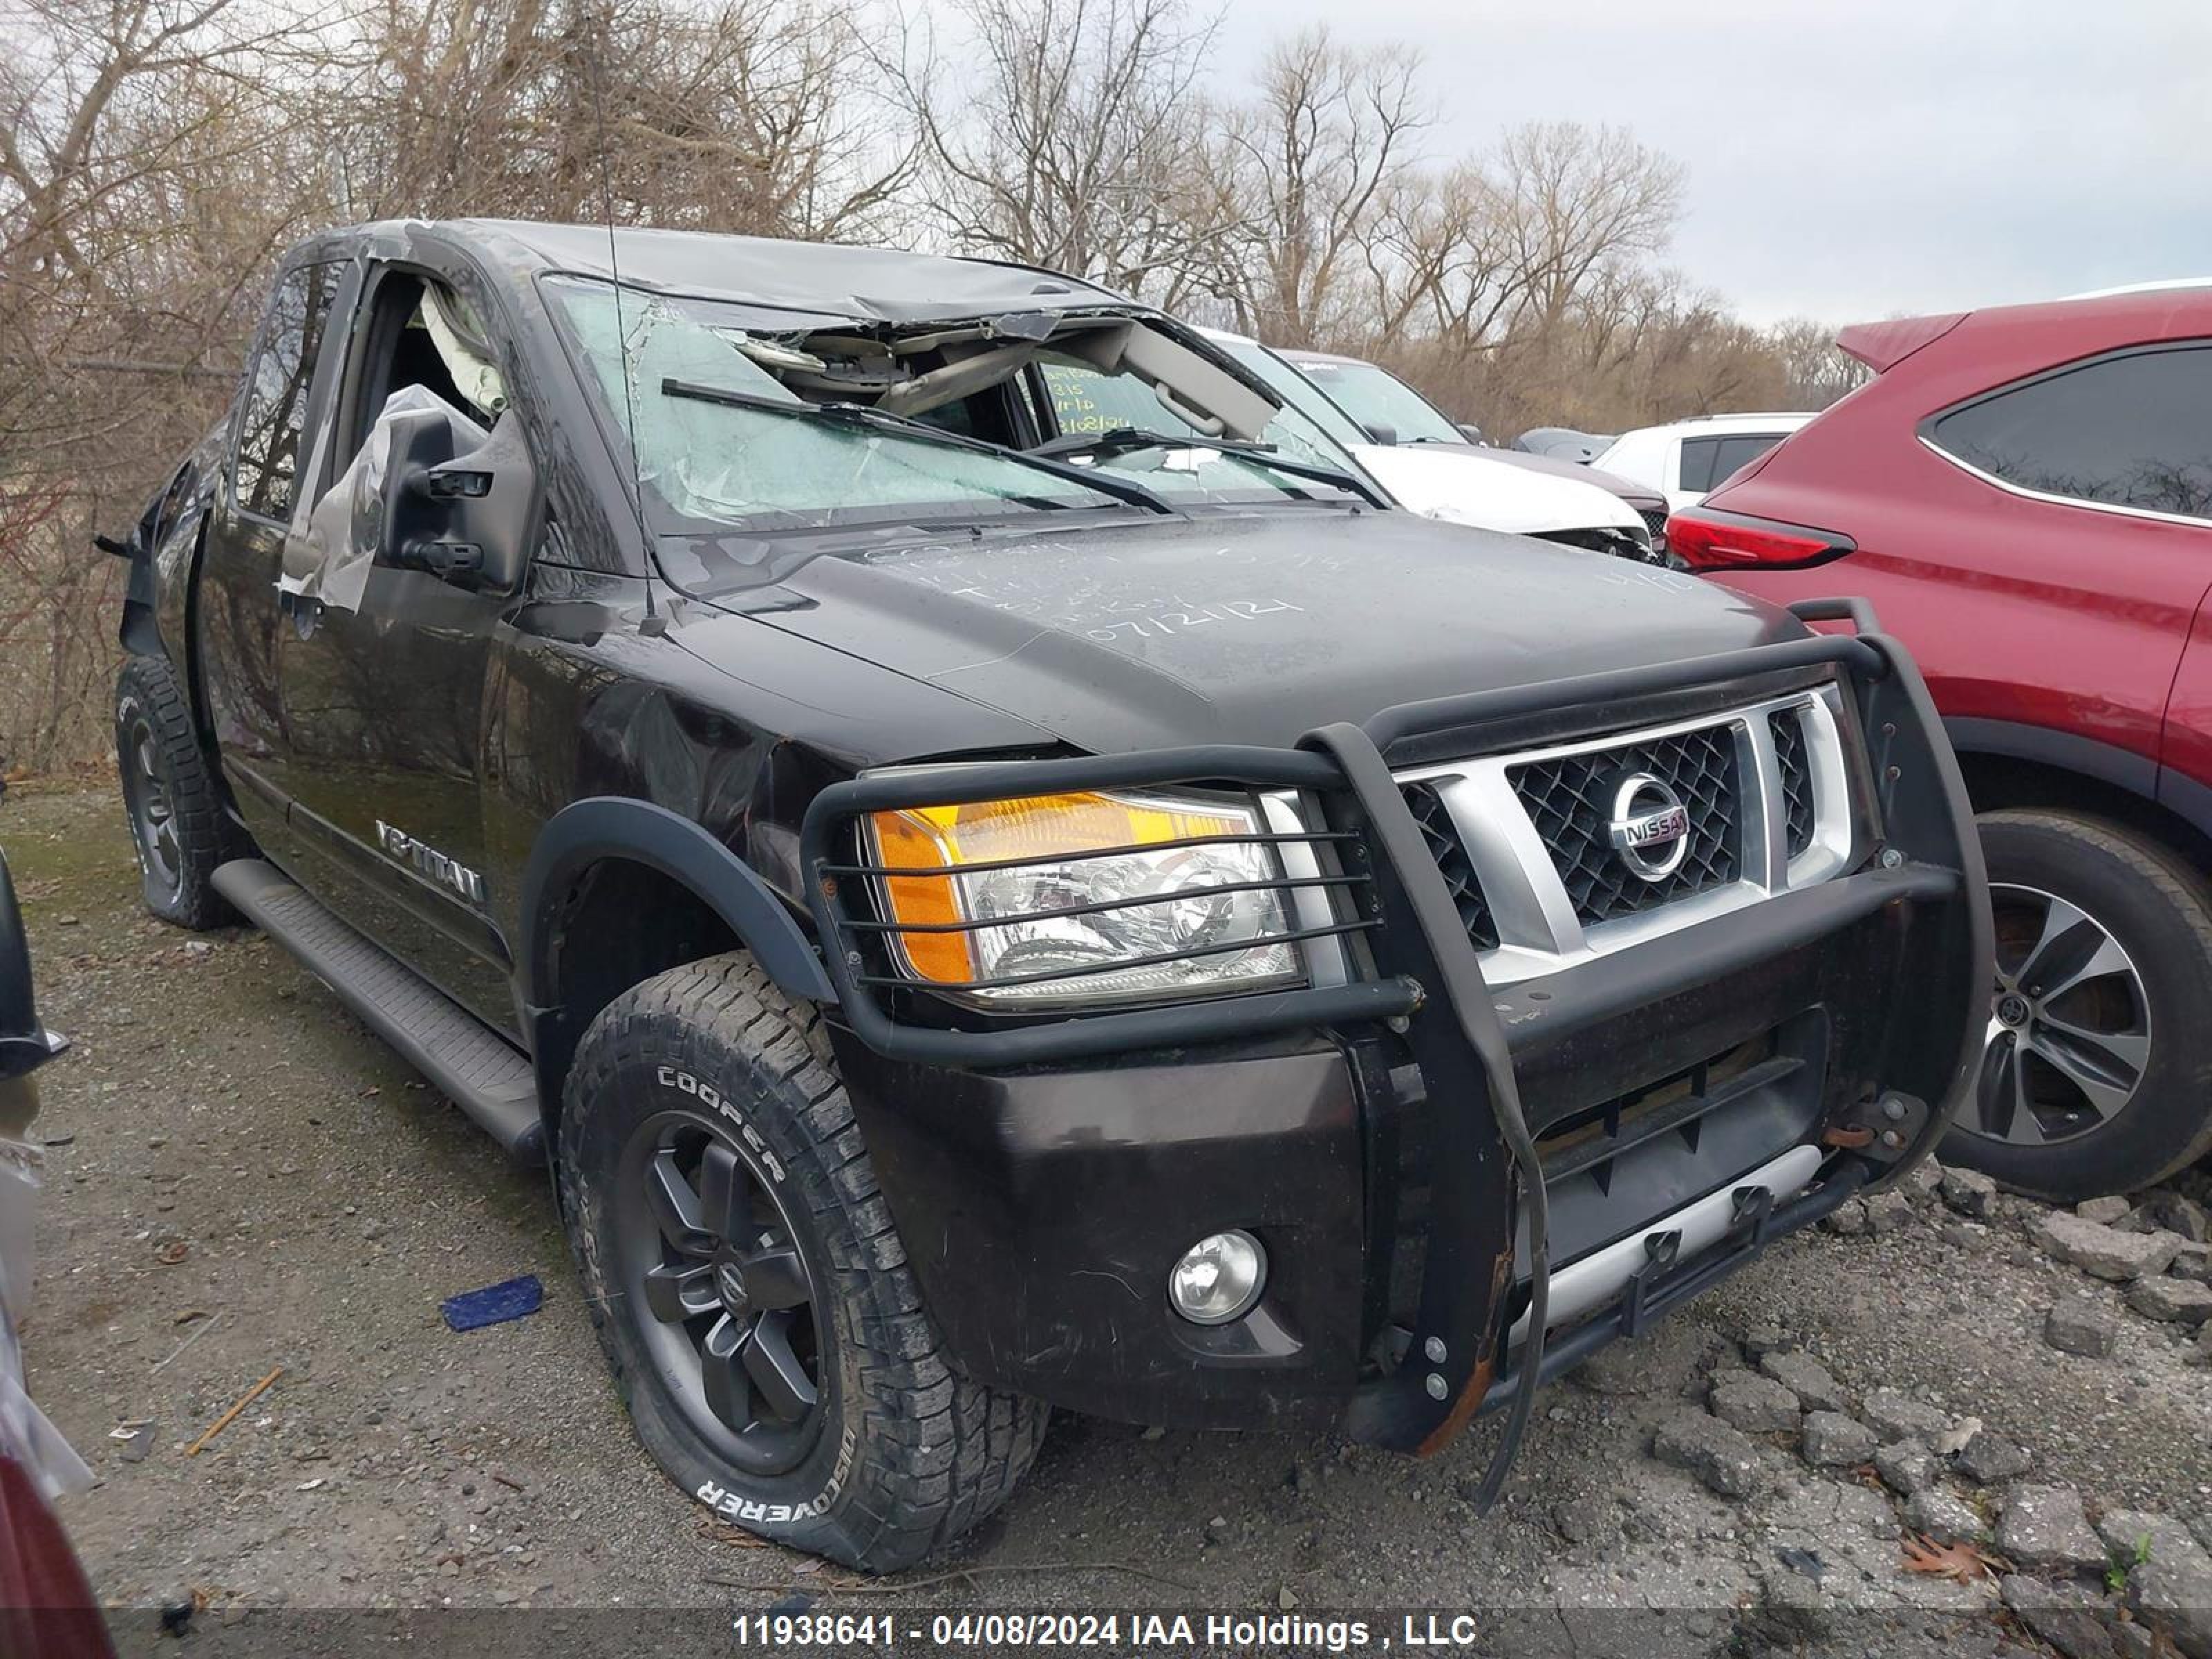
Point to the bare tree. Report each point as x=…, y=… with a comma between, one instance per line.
x=130, y=133
x=742, y=115
x=1519, y=288
x=1816, y=372
x=1582, y=198
x=1331, y=132
x=1440, y=255
x=1069, y=139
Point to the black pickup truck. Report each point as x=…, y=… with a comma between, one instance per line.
x=996, y=872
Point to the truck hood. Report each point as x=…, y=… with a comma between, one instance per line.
x=1465, y=486
x=1240, y=628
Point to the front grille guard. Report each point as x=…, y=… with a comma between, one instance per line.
x=1421, y=974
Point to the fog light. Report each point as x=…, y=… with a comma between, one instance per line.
x=1218, y=1278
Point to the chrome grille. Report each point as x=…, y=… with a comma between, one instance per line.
x=1453, y=863
x=1524, y=840
x=1788, y=726
x=1570, y=801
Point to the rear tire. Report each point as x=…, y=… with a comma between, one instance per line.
x=177, y=824
x=2097, y=1076
x=833, y=1421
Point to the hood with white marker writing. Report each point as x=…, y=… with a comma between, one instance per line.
x=1233, y=627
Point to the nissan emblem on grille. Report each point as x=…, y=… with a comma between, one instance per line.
x=1650, y=827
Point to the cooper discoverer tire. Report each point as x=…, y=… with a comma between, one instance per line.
x=749, y=1289
x=2097, y=1077
x=177, y=824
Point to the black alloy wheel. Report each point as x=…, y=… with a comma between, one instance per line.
x=725, y=1300
x=151, y=805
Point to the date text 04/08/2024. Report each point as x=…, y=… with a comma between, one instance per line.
x=1415, y=1630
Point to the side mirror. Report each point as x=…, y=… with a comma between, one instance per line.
x=406, y=518
x=490, y=491
x=1380, y=432
x=462, y=517
x=1471, y=432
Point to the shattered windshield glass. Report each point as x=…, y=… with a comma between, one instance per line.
x=1085, y=400
x=780, y=428
x=710, y=465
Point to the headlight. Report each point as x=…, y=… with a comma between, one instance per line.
x=1010, y=864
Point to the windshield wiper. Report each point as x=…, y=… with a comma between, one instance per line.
x=862, y=415
x=1117, y=440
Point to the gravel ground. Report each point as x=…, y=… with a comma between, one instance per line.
x=240, y=1178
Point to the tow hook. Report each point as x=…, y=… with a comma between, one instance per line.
x=1883, y=1129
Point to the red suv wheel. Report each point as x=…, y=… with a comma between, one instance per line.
x=2098, y=1074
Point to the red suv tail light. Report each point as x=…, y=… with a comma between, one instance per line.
x=1706, y=538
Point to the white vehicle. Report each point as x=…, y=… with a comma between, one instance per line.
x=1450, y=480
x=1685, y=459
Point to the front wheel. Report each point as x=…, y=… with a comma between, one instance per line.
x=749, y=1289
x=2097, y=1069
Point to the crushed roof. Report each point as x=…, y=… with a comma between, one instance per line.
x=891, y=285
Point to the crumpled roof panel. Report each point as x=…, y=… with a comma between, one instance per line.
x=880, y=284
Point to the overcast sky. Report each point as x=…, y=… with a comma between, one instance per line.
x=1850, y=158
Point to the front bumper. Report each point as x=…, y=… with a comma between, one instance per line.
x=1693, y=1099
x=1043, y=1211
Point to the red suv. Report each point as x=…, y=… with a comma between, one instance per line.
x=2025, y=495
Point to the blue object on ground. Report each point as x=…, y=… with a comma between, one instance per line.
x=495, y=1305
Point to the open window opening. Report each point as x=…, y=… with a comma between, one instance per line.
x=421, y=393
x=420, y=333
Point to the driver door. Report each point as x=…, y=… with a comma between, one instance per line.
x=383, y=683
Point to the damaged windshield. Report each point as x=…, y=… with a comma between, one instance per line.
x=1085, y=401
x=937, y=423
x=710, y=464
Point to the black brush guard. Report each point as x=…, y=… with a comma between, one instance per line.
x=1420, y=976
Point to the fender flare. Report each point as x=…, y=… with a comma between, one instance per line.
x=619, y=827
x=2066, y=752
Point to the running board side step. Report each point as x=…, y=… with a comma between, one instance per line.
x=484, y=1075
